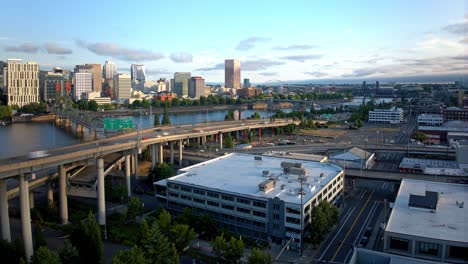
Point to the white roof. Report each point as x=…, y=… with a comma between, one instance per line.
x=241, y=174
x=448, y=222
x=352, y=154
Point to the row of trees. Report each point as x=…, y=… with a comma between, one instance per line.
x=6, y=112
x=324, y=217
x=165, y=119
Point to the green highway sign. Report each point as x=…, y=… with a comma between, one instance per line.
x=118, y=123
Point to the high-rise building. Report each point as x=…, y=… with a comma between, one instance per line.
x=161, y=85
x=196, y=87
x=123, y=86
x=22, y=82
x=56, y=83
x=83, y=84
x=96, y=71
x=247, y=83
x=138, y=75
x=232, y=74
x=109, y=70
x=171, y=85
x=181, y=83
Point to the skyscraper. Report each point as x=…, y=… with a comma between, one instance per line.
x=232, y=75
x=181, y=83
x=123, y=86
x=22, y=82
x=96, y=72
x=109, y=70
x=246, y=83
x=138, y=75
x=196, y=87
x=83, y=84
x=56, y=83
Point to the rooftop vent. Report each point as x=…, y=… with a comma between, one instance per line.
x=460, y=204
x=267, y=185
x=283, y=186
x=427, y=201
x=287, y=164
x=266, y=173
x=295, y=170
x=258, y=158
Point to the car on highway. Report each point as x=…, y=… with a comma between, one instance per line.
x=165, y=134
x=38, y=154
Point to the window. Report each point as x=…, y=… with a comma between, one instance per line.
x=293, y=220
x=212, y=194
x=292, y=211
x=276, y=216
x=399, y=244
x=199, y=200
x=185, y=189
x=263, y=205
x=243, y=201
x=260, y=214
x=229, y=207
x=458, y=252
x=227, y=198
x=173, y=194
x=185, y=197
x=428, y=248
x=243, y=210
x=212, y=203
x=200, y=192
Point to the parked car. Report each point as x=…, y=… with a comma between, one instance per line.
x=38, y=154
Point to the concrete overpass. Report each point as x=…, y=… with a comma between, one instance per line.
x=128, y=146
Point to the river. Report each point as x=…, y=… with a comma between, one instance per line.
x=21, y=138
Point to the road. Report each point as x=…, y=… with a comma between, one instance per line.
x=362, y=210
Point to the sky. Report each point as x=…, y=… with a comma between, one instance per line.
x=274, y=40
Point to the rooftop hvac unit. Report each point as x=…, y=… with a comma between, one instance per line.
x=266, y=173
x=258, y=158
x=287, y=164
x=297, y=171
x=283, y=186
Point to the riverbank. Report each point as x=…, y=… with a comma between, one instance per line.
x=33, y=118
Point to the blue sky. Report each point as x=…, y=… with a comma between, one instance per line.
x=285, y=40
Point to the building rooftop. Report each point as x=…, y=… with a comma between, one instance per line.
x=446, y=222
x=410, y=163
x=243, y=174
x=298, y=156
x=366, y=256
x=352, y=154
x=429, y=116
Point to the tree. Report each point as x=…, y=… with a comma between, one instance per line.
x=5, y=112
x=145, y=103
x=235, y=250
x=39, y=238
x=219, y=246
x=187, y=217
x=259, y=257
x=156, y=119
x=164, y=220
x=45, y=256
x=162, y=171
x=324, y=216
x=181, y=235
x=228, y=142
x=87, y=239
x=206, y=227
x=255, y=115
x=69, y=253
x=229, y=116
x=156, y=247
x=419, y=136
x=165, y=119
x=11, y=252
x=134, y=208
x=131, y=256
x=92, y=105
x=143, y=232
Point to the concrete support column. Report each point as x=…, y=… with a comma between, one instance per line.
x=127, y=175
x=31, y=199
x=154, y=156
x=181, y=146
x=161, y=153
x=220, y=140
x=136, y=167
x=171, y=144
x=25, y=217
x=50, y=194
x=203, y=140
x=259, y=133
x=4, y=218
x=100, y=191
x=237, y=135
x=133, y=164
x=63, y=195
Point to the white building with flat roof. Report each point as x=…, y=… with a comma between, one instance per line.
x=254, y=196
x=429, y=221
x=96, y=96
x=83, y=84
x=387, y=116
x=430, y=120
x=22, y=82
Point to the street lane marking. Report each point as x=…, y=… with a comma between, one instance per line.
x=352, y=226
x=341, y=227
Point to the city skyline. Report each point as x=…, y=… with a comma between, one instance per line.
x=301, y=41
